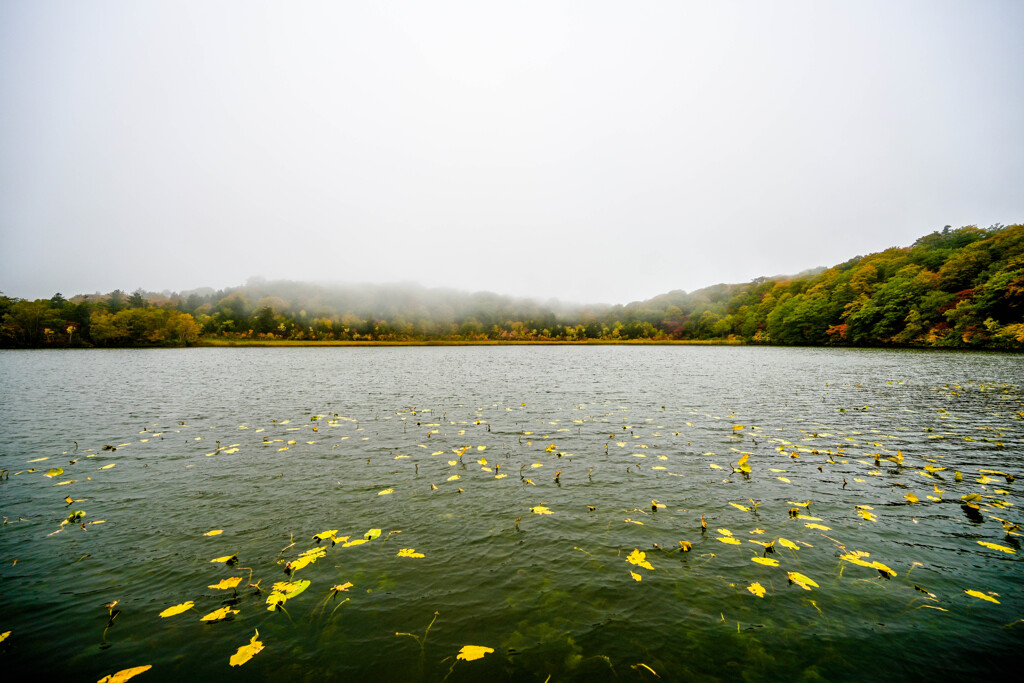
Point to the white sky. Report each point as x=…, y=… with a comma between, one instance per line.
x=590, y=151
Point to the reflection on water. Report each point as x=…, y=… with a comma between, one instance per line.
x=452, y=452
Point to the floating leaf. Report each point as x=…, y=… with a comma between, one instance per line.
x=107, y=467
x=342, y=587
x=636, y=577
x=786, y=543
x=222, y=613
x=283, y=591
x=740, y=507
x=225, y=559
x=178, y=609
x=686, y=546
x=54, y=472
x=982, y=596
x=822, y=527
x=470, y=652
x=540, y=510
x=784, y=480
x=125, y=674
x=227, y=583
x=730, y=540
x=767, y=561
x=911, y=497
x=247, y=652
x=214, y=532
x=801, y=580
x=867, y=515
x=409, y=552
x=639, y=559
x=385, y=492
x=324, y=535
x=355, y=541
x=996, y=546
x=757, y=589
x=371, y=534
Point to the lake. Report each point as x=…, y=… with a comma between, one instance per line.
x=494, y=496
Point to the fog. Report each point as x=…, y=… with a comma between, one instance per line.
x=590, y=152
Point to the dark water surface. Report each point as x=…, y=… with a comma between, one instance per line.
x=552, y=594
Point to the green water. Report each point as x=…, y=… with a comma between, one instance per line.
x=552, y=594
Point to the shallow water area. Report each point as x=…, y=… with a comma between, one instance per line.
x=526, y=477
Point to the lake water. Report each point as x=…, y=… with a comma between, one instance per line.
x=627, y=447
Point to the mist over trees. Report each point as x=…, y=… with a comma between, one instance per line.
x=960, y=288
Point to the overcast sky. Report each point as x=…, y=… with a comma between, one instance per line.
x=589, y=151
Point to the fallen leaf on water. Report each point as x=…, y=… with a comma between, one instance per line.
x=371, y=534
x=639, y=559
x=107, y=467
x=214, y=532
x=801, y=580
x=996, y=546
x=540, y=510
x=911, y=497
x=224, y=584
x=125, y=674
x=784, y=480
x=226, y=558
x=55, y=472
x=355, y=541
x=222, y=613
x=982, y=596
x=636, y=577
x=177, y=609
x=470, y=652
x=786, y=543
x=757, y=589
x=342, y=587
x=730, y=540
x=247, y=652
x=324, y=535
x=740, y=507
x=283, y=591
x=767, y=561
x=818, y=526
x=385, y=492
x=409, y=552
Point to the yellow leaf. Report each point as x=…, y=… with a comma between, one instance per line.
x=767, y=561
x=324, y=535
x=107, y=467
x=740, y=507
x=540, y=510
x=214, y=532
x=342, y=587
x=636, y=577
x=730, y=540
x=882, y=568
x=409, y=552
x=911, y=497
x=639, y=559
x=283, y=591
x=686, y=546
x=996, y=546
x=757, y=589
x=226, y=558
x=982, y=596
x=177, y=609
x=786, y=543
x=453, y=477
x=867, y=515
x=784, y=480
x=3, y=636
x=226, y=583
x=470, y=652
x=724, y=532
x=125, y=674
x=818, y=526
x=803, y=504
x=385, y=492
x=247, y=652
x=222, y=613
x=355, y=541
x=802, y=580
x=55, y=472
x=808, y=518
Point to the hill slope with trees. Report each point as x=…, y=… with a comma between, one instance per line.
x=960, y=288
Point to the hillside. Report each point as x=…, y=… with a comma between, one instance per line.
x=952, y=288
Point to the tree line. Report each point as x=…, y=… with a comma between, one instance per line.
x=961, y=288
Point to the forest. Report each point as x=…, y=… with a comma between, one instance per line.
x=957, y=288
